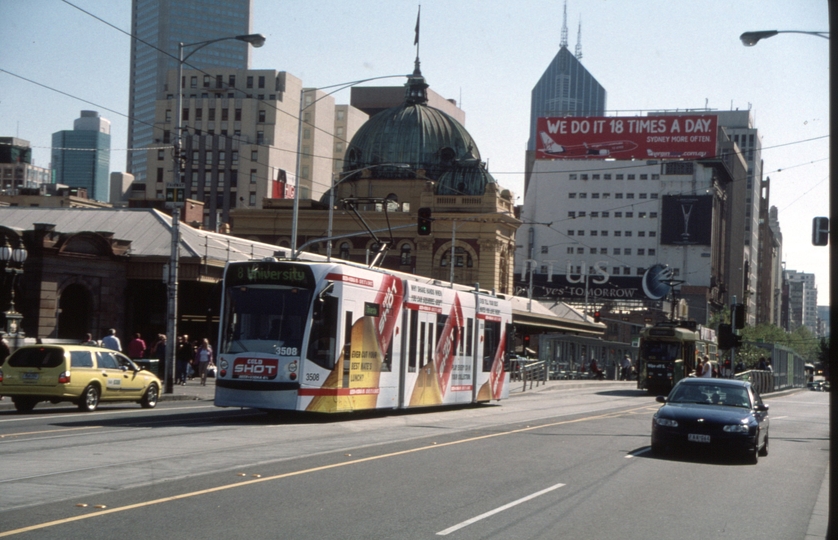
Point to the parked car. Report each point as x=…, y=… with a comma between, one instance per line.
x=719, y=414
x=76, y=373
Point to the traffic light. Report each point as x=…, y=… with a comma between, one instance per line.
x=526, y=342
x=820, y=231
x=738, y=311
x=423, y=227
x=596, y=316
x=725, y=336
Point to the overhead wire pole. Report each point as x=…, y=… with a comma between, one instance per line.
x=176, y=192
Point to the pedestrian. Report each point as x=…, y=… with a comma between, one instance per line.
x=707, y=372
x=184, y=353
x=203, y=356
x=136, y=347
x=89, y=341
x=699, y=367
x=111, y=341
x=627, y=368
x=761, y=365
x=595, y=371
x=160, y=348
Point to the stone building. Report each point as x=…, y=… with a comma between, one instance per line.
x=404, y=158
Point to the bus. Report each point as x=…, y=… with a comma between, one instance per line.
x=668, y=353
x=335, y=337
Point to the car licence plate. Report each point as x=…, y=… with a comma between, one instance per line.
x=696, y=437
x=32, y=376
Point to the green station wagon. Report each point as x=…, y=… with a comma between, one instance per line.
x=77, y=373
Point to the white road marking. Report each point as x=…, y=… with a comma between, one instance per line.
x=468, y=522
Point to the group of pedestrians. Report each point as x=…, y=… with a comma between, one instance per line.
x=191, y=358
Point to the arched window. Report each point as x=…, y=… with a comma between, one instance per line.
x=461, y=258
x=344, y=251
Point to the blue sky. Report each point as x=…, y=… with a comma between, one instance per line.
x=487, y=55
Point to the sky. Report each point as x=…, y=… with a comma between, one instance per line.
x=57, y=60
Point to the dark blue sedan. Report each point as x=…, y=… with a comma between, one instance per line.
x=712, y=414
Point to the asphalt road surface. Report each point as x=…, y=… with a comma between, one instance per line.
x=560, y=463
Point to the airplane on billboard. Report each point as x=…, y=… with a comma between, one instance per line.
x=592, y=150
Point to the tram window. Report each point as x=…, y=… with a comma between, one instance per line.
x=469, y=333
x=414, y=319
x=323, y=335
x=347, y=339
x=440, y=325
x=421, y=341
x=491, y=341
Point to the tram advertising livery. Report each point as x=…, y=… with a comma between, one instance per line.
x=331, y=337
x=668, y=353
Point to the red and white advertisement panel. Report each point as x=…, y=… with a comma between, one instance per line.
x=626, y=137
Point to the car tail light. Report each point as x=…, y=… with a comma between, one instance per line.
x=64, y=378
x=1, y=375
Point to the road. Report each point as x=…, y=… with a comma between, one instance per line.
x=560, y=463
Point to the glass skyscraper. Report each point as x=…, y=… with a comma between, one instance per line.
x=158, y=27
x=82, y=157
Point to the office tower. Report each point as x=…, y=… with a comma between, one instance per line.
x=803, y=300
x=240, y=142
x=565, y=88
x=158, y=26
x=16, y=168
x=82, y=157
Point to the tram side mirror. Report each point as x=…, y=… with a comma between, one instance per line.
x=319, y=313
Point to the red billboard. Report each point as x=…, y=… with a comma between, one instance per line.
x=626, y=137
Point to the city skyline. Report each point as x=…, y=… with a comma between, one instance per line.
x=645, y=54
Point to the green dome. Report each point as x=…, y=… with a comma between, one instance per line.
x=414, y=136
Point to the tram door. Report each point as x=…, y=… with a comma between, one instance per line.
x=421, y=385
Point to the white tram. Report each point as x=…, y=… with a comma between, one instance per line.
x=333, y=337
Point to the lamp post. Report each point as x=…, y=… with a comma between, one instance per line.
x=750, y=39
x=303, y=107
x=175, y=192
x=13, y=259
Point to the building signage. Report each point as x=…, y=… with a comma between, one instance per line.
x=686, y=220
x=626, y=137
x=654, y=284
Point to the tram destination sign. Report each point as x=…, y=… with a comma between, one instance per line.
x=269, y=273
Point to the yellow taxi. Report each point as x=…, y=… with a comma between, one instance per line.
x=77, y=373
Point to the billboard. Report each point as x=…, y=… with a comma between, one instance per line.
x=687, y=220
x=627, y=137
x=654, y=284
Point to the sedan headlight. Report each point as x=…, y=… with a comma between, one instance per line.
x=666, y=422
x=736, y=428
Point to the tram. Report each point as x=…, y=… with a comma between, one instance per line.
x=668, y=353
x=335, y=337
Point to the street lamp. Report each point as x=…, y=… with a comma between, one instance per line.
x=177, y=188
x=749, y=39
x=12, y=258
x=303, y=106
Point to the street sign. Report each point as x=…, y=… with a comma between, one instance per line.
x=175, y=195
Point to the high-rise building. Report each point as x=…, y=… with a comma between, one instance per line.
x=16, y=168
x=81, y=158
x=803, y=300
x=158, y=26
x=565, y=88
x=240, y=139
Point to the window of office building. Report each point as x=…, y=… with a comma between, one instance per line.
x=238, y=115
x=261, y=81
x=249, y=82
x=571, y=195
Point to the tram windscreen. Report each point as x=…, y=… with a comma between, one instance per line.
x=661, y=350
x=265, y=318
